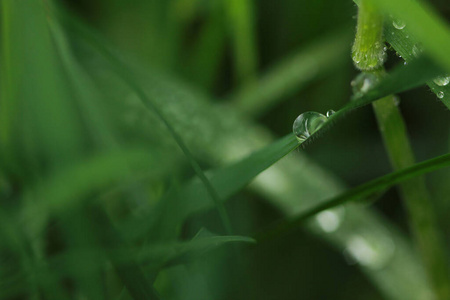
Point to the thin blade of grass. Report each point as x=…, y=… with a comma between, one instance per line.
x=241, y=23
x=193, y=197
x=358, y=192
x=128, y=77
x=152, y=258
x=312, y=62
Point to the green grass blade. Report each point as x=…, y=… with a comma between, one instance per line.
x=312, y=62
x=436, y=44
x=359, y=192
x=193, y=197
x=128, y=77
x=409, y=48
x=241, y=23
x=299, y=178
x=233, y=178
x=402, y=78
x=409, y=42
x=64, y=189
x=152, y=258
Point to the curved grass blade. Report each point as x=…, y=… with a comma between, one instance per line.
x=128, y=77
x=193, y=196
x=402, y=78
x=359, y=192
x=152, y=258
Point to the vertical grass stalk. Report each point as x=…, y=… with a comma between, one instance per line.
x=422, y=219
x=368, y=50
x=6, y=83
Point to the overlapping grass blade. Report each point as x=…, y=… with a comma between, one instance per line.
x=230, y=180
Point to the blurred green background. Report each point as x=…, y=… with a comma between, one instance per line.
x=223, y=52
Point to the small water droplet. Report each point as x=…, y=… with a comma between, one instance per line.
x=396, y=100
x=440, y=94
x=330, y=113
x=405, y=63
x=363, y=83
x=407, y=36
x=398, y=24
x=442, y=80
x=307, y=123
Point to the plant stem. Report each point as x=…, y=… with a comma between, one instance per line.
x=367, y=51
x=422, y=219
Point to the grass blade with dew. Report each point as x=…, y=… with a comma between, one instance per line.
x=413, y=40
x=409, y=48
x=358, y=192
x=422, y=20
x=402, y=78
x=238, y=175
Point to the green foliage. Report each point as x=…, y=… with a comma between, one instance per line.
x=109, y=115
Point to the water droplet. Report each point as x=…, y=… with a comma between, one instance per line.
x=330, y=113
x=307, y=123
x=363, y=83
x=398, y=24
x=405, y=63
x=440, y=94
x=396, y=100
x=442, y=80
